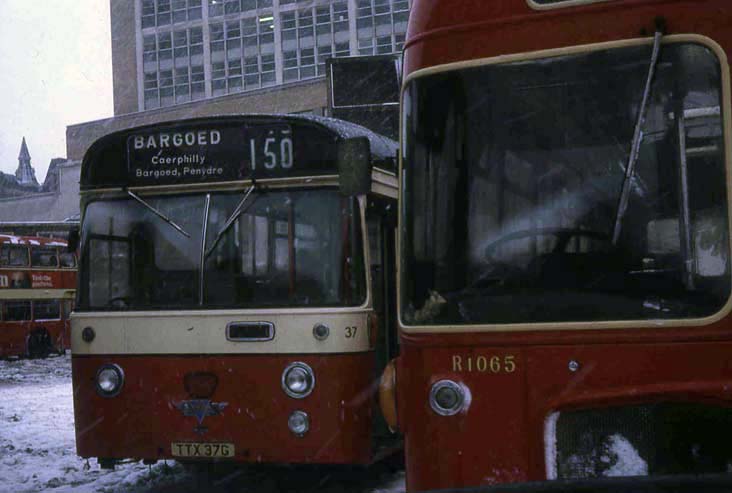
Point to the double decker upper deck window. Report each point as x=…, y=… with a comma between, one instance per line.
x=513, y=183
x=14, y=256
x=44, y=257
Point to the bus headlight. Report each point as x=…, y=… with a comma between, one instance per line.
x=446, y=397
x=299, y=423
x=109, y=381
x=298, y=380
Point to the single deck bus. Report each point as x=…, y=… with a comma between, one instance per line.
x=236, y=297
x=564, y=237
x=37, y=285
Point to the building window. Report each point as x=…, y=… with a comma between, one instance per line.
x=173, y=67
x=381, y=25
x=148, y=13
x=242, y=53
x=312, y=35
x=166, y=12
x=228, y=7
x=242, y=42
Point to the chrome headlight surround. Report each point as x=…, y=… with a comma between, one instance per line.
x=447, y=398
x=302, y=371
x=110, y=373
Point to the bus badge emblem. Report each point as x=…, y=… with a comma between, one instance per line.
x=200, y=408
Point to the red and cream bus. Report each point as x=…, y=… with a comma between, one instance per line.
x=37, y=283
x=236, y=297
x=564, y=235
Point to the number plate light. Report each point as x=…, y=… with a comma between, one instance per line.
x=299, y=423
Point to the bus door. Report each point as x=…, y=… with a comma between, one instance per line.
x=47, y=321
x=17, y=325
x=381, y=224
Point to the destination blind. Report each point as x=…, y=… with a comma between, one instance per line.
x=227, y=152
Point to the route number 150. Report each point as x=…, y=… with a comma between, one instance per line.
x=274, y=153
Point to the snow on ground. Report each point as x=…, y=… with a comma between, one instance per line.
x=38, y=451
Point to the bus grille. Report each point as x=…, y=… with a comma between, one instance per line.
x=652, y=439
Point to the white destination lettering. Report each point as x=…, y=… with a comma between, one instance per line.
x=177, y=139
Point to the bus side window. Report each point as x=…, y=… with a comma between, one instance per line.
x=14, y=255
x=67, y=259
x=17, y=311
x=377, y=280
x=46, y=310
x=44, y=257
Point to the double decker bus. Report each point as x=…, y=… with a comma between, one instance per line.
x=236, y=296
x=564, y=235
x=37, y=283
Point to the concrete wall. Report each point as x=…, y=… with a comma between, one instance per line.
x=52, y=206
x=292, y=98
x=124, y=57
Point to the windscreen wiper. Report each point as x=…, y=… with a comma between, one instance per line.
x=637, y=139
x=159, y=214
x=238, y=211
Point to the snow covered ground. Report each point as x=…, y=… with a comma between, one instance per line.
x=38, y=452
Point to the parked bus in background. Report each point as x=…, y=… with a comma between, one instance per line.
x=564, y=239
x=37, y=283
x=237, y=297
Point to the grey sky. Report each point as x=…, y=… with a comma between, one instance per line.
x=55, y=70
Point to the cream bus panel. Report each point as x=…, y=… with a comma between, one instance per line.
x=205, y=333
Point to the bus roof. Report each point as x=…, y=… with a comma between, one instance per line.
x=439, y=33
x=115, y=160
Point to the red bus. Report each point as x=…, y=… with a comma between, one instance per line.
x=37, y=285
x=564, y=237
x=236, y=294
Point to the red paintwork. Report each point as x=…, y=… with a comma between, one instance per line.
x=37, y=278
x=142, y=421
x=500, y=437
x=14, y=335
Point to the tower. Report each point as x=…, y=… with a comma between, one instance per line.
x=25, y=173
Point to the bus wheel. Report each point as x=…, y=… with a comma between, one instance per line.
x=39, y=344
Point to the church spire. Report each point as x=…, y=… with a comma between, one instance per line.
x=25, y=173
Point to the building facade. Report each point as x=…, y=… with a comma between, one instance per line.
x=169, y=52
x=175, y=59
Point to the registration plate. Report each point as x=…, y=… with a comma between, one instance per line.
x=199, y=449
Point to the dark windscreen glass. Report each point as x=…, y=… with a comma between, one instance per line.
x=289, y=248
x=135, y=260
x=512, y=179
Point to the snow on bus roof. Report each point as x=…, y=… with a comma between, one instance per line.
x=32, y=240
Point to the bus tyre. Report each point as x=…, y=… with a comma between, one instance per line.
x=39, y=344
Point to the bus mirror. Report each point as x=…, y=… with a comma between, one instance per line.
x=73, y=240
x=354, y=166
